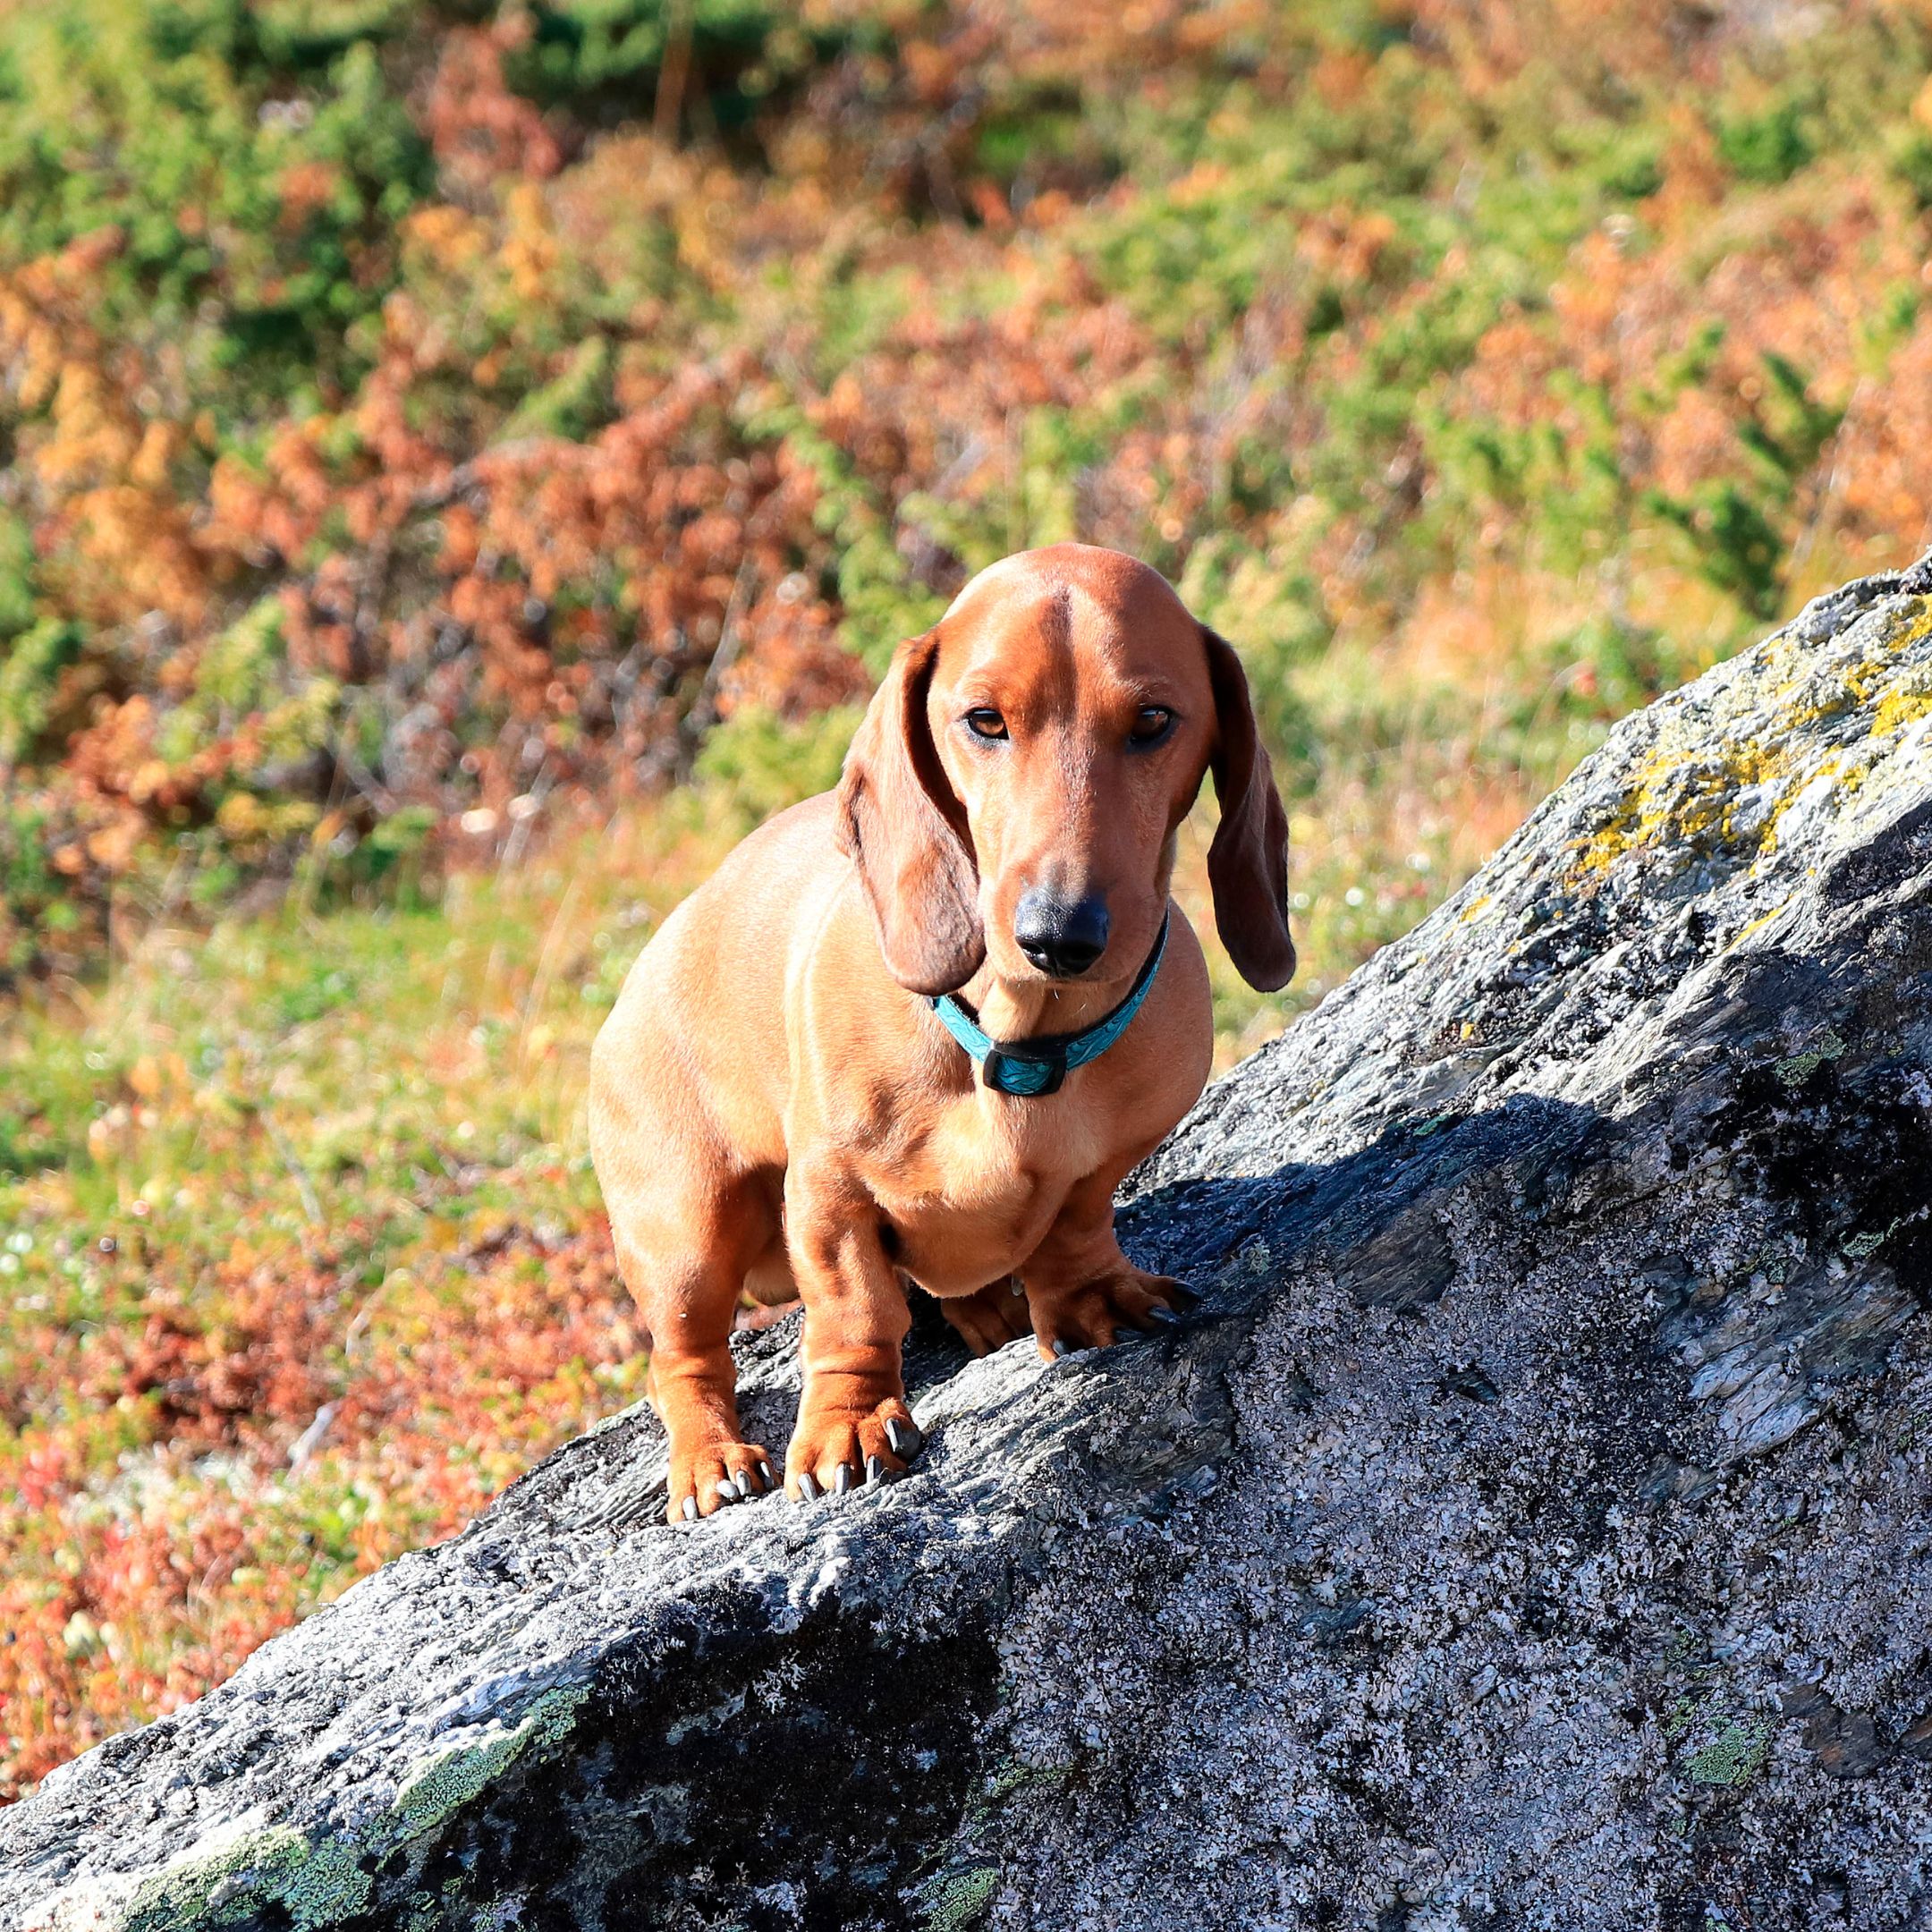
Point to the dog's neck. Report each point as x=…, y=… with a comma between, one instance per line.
x=1012, y=1010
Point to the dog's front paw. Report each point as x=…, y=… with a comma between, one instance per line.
x=1104, y=1308
x=833, y=1451
x=715, y=1474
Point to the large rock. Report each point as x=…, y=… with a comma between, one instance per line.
x=1531, y=1528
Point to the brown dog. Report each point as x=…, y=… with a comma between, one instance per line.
x=777, y=1106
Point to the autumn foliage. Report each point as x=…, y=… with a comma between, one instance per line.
x=417, y=414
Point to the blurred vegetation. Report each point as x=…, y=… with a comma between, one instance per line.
x=462, y=464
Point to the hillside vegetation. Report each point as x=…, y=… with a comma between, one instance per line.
x=463, y=465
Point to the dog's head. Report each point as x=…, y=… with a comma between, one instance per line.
x=1014, y=790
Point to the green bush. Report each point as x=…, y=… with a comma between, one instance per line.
x=30, y=668
x=1770, y=147
x=1737, y=547
x=1910, y=153
x=755, y=764
x=197, y=151
x=612, y=53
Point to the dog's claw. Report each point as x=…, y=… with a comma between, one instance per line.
x=1187, y=1296
x=765, y=1470
x=1019, y=1286
x=842, y=1482
x=728, y=1491
x=1126, y=1335
x=1062, y=1348
x=875, y=1468
x=1168, y=1318
x=904, y=1436
x=691, y=1509
x=808, y=1489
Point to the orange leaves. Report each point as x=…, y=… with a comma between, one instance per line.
x=113, y=529
x=676, y=533
x=791, y=662
x=529, y=250
x=1346, y=244
x=134, y=553
x=305, y=187
x=479, y=128
x=1693, y=442
x=115, y=754
x=444, y=239
x=1593, y=301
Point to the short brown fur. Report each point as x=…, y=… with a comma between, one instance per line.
x=775, y=1108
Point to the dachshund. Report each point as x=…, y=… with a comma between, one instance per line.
x=915, y=1031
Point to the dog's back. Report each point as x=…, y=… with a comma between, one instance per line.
x=702, y=1018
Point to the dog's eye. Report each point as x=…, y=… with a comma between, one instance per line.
x=1151, y=723
x=984, y=722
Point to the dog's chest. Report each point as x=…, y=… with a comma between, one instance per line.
x=973, y=1197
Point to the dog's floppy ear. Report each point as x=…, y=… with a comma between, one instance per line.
x=1248, y=862
x=901, y=824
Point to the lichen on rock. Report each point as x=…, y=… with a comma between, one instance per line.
x=310, y=1883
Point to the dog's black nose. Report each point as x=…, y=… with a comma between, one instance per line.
x=1061, y=939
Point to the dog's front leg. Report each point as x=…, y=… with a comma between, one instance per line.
x=853, y=1424
x=1082, y=1291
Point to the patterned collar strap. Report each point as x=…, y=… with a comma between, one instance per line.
x=1028, y=1068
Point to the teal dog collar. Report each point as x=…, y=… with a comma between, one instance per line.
x=1031, y=1067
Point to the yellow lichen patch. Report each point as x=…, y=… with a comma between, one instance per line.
x=1856, y=684
x=1833, y=770
x=1914, y=630
x=1667, y=803
x=1906, y=706
x=1671, y=803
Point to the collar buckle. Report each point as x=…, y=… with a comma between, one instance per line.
x=1024, y=1075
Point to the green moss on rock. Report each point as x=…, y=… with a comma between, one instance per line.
x=323, y=1881
x=317, y=1885
x=956, y=1901
x=440, y=1788
x=1733, y=1756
